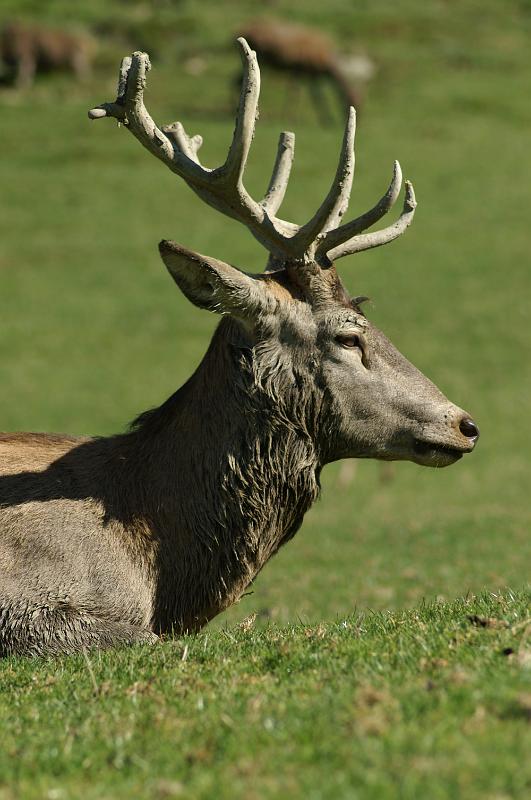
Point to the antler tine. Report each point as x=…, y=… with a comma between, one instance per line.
x=281, y=172
x=129, y=109
x=339, y=235
x=246, y=117
x=116, y=109
x=222, y=188
x=336, y=201
x=368, y=240
x=188, y=144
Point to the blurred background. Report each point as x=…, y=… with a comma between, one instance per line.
x=93, y=330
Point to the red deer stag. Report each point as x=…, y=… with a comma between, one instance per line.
x=117, y=540
x=303, y=53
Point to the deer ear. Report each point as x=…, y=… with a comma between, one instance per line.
x=214, y=285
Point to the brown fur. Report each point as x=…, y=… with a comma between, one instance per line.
x=29, y=450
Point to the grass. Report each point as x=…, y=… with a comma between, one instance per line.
x=94, y=331
x=433, y=702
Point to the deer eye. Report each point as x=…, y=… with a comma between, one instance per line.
x=349, y=341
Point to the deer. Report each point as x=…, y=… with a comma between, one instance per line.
x=26, y=48
x=151, y=533
x=301, y=52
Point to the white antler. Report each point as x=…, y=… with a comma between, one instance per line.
x=320, y=239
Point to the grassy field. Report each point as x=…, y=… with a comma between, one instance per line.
x=94, y=331
x=427, y=703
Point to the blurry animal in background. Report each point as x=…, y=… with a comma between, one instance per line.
x=305, y=53
x=27, y=48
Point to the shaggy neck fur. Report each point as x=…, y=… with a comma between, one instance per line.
x=224, y=477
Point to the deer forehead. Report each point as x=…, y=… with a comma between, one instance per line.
x=342, y=319
x=299, y=322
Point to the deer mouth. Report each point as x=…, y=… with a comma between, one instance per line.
x=433, y=454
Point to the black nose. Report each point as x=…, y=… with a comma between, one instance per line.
x=469, y=428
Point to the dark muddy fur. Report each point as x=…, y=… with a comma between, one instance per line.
x=195, y=495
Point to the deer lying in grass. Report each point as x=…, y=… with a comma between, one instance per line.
x=116, y=540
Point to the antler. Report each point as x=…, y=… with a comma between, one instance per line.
x=320, y=239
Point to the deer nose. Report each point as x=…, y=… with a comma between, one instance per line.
x=469, y=428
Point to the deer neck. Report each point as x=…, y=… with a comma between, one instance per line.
x=234, y=476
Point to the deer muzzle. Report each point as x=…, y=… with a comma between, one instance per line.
x=442, y=445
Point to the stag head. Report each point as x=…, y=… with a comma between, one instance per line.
x=305, y=344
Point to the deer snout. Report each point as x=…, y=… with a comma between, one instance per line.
x=446, y=439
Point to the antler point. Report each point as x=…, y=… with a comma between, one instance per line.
x=96, y=113
x=244, y=46
x=410, y=198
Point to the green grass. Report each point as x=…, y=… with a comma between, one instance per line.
x=93, y=331
x=434, y=703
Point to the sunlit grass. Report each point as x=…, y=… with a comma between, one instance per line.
x=409, y=704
